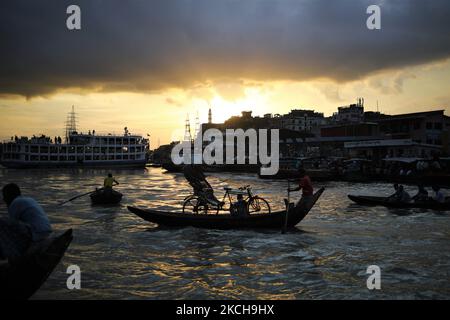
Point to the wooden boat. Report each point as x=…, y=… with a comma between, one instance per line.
x=274, y=220
x=105, y=197
x=383, y=201
x=21, y=278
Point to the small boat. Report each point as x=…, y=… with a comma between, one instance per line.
x=383, y=201
x=274, y=220
x=106, y=197
x=22, y=278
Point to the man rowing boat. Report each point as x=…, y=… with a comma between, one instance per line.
x=27, y=223
x=304, y=184
x=109, y=181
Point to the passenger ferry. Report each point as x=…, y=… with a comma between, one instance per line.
x=79, y=149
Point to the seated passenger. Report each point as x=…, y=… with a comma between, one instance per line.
x=422, y=194
x=438, y=195
x=239, y=208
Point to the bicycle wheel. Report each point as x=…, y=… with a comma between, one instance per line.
x=258, y=205
x=194, y=204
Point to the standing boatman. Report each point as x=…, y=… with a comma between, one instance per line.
x=305, y=185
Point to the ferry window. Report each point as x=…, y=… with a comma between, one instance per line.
x=417, y=125
x=111, y=140
x=118, y=150
x=34, y=158
x=103, y=150
x=62, y=158
x=63, y=150
x=132, y=141
x=132, y=149
x=125, y=141
x=27, y=148
x=110, y=157
x=88, y=149
x=119, y=157
x=104, y=141
x=71, y=158
x=53, y=149
x=119, y=141
x=53, y=158
x=80, y=149
x=96, y=149
x=125, y=157
x=27, y=158
x=110, y=150
x=96, y=157
x=44, y=158
x=103, y=157
x=71, y=149
x=125, y=149
x=34, y=149
x=132, y=157
x=438, y=126
x=44, y=149
x=429, y=125
x=88, y=158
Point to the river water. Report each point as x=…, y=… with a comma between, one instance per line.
x=326, y=257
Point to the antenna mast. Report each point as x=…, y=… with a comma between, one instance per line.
x=187, y=130
x=71, y=124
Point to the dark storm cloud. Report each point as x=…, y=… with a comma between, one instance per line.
x=152, y=45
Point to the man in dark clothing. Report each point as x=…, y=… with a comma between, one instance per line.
x=27, y=223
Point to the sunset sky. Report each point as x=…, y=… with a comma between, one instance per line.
x=147, y=64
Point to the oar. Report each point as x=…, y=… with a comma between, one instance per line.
x=79, y=196
x=283, y=230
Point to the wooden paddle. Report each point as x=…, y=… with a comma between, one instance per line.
x=288, y=204
x=79, y=196
x=82, y=195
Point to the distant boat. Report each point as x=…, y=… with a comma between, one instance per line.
x=84, y=150
x=79, y=150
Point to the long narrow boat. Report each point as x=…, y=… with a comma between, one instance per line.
x=274, y=220
x=383, y=201
x=22, y=278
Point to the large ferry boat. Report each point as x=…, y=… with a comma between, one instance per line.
x=88, y=149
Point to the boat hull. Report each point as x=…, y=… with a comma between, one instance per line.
x=102, y=198
x=382, y=201
x=22, y=278
x=273, y=220
x=72, y=164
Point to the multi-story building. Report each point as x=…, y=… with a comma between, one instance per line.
x=302, y=120
x=351, y=113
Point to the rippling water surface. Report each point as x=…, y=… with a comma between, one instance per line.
x=124, y=257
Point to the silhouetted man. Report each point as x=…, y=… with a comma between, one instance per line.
x=27, y=223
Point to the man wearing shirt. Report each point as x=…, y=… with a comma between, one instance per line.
x=27, y=223
x=305, y=185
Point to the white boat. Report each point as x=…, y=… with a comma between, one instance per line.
x=86, y=150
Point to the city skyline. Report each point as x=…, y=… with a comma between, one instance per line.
x=186, y=57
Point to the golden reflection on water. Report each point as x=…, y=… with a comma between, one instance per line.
x=123, y=257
